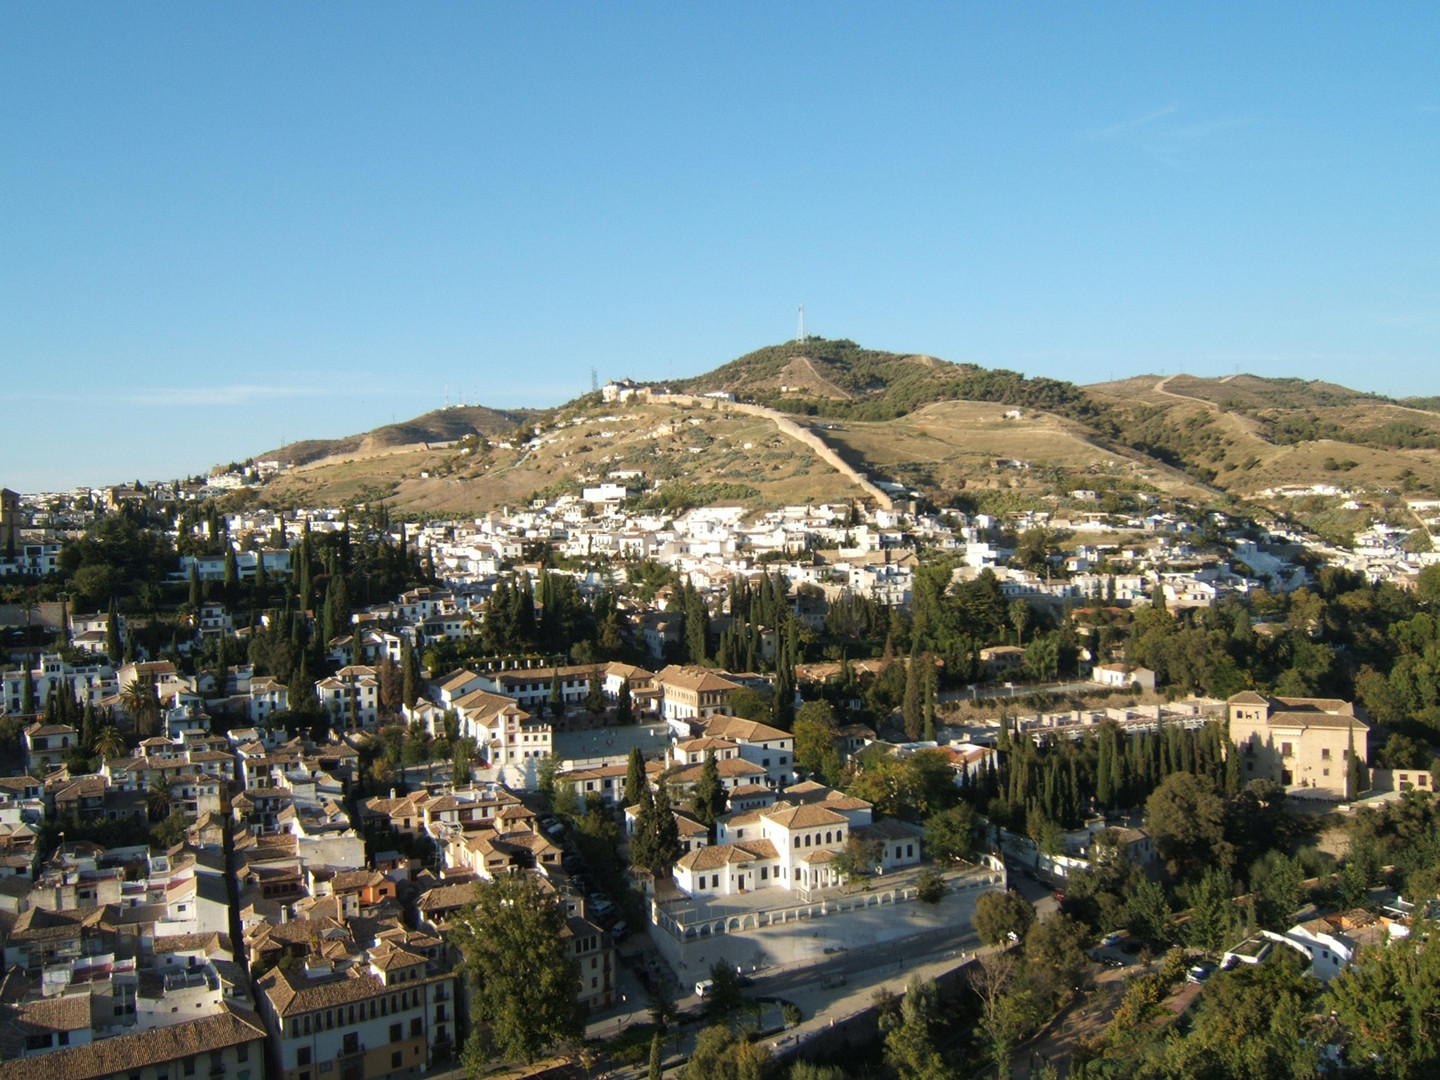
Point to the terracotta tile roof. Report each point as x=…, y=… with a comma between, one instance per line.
x=697, y=680
x=804, y=817
x=129, y=1053
x=718, y=855
x=738, y=728
x=70, y=1012
x=387, y=956
x=208, y=943
x=449, y=897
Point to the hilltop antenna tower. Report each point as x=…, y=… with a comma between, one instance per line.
x=447, y=395
x=800, y=337
x=594, y=380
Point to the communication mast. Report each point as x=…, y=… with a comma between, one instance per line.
x=594, y=380
x=800, y=337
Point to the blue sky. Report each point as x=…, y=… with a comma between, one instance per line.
x=222, y=226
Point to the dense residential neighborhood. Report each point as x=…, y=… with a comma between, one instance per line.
x=289, y=794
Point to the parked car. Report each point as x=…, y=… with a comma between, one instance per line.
x=1200, y=972
x=619, y=931
x=1111, y=939
x=703, y=987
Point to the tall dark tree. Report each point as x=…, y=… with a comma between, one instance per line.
x=113, y=647
x=636, y=784
x=708, y=799
x=625, y=706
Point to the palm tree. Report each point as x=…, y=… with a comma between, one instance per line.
x=110, y=743
x=157, y=800
x=142, y=702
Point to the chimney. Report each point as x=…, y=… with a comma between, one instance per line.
x=392, y=793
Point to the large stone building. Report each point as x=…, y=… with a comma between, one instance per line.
x=1303, y=743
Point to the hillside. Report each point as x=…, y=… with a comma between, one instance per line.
x=957, y=434
x=440, y=426
x=818, y=377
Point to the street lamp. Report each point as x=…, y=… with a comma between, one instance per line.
x=620, y=1020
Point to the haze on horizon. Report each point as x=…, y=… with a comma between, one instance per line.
x=228, y=227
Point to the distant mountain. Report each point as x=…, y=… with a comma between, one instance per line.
x=440, y=426
x=819, y=377
x=956, y=434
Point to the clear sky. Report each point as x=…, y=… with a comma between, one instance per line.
x=227, y=225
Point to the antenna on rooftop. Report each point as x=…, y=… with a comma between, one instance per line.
x=800, y=337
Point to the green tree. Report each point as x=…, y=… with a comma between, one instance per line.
x=950, y=834
x=707, y=801
x=113, y=647
x=636, y=784
x=1276, y=881
x=815, y=749
x=625, y=706
x=1388, y=1001
x=657, y=1058
x=595, y=695
x=1213, y=916
x=1186, y=817
x=157, y=800
x=910, y=1049
x=1020, y=618
x=912, y=704
x=557, y=695
x=722, y=1054
x=1147, y=912
x=516, y=957
x=724, y=995
x=1002, y=917
x=1253, y=1023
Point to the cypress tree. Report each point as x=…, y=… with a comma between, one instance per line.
x=625, y=706
x=667, y=831
x=113, y=648
x=912, y=707
x=195, y=586
x=708, y=799
x=595, y=695
x=232, y=571
x=1104, y=780
x=928, y=689
x=557, y=695
x=410, y=672
x=636, y=787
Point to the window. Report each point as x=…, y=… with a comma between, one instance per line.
x=909, y=851
x=764, y=873
x=395, y=1060
x=63, y=1038
x=302, y=1056
x=397, y=1032
x=352, y=1043
x=1287, y=749
x=1325, y=753
x=242, y=1052
x=417, y=1028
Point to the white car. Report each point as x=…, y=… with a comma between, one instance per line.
x=1111, y=939
x=703, y=987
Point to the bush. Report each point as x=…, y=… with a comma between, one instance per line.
x=930, y=886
